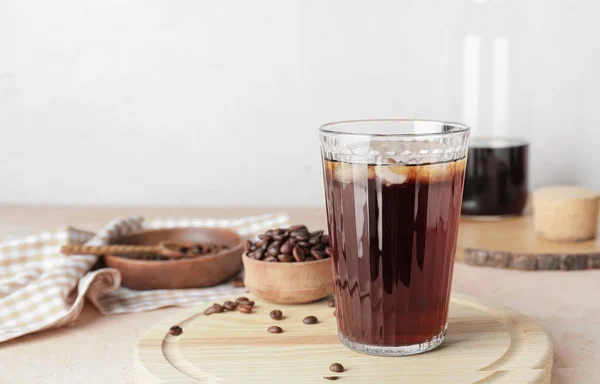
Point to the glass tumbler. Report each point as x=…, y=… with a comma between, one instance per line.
x=393, y=192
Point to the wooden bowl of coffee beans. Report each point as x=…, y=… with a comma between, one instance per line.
x=289, y=265
x=218, y=260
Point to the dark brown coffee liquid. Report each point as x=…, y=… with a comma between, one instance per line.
x=393, y=232
x=496, y=178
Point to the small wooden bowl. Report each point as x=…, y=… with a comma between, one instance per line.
x=198, y=272
x=288, y=283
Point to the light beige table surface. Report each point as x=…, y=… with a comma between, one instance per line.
x=99, y=349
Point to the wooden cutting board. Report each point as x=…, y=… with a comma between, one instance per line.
x=511, y=242
x=484, y=345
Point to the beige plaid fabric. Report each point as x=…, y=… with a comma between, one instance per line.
x=40, y=288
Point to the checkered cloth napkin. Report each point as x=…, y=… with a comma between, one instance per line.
x=41, y=288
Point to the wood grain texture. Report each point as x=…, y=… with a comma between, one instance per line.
x=512, y=243
x=483, y=345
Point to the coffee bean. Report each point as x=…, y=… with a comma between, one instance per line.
x=310, y=320
x=296, y=227
x=257, y=255
x=176, y=330
x=277, y=242
x=241, y=298
x=247, y=246
x=298, y=254
x=210, y=310
x=247, y=302
x=317, y=255
x=230, y=305
x=286, y=247
x=330, y=377
x=273, y=249
x=244, y=308
x=302, y=237
x=275, y=329
x=285, y=258
x=276, y=314
x=331, y=303
x=300, y=232
x=263, y=244
x=336, y=367
x=219, y=308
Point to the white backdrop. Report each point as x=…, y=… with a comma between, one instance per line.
x=218, y=102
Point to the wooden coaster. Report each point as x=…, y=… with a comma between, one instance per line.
x=483, y=344
x=511, y=242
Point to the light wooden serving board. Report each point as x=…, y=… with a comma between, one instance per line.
x=483, y=345
x=511, y=242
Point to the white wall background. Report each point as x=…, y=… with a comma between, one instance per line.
x=218, y=102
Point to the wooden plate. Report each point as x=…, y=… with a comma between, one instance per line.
x=483, y=344
x=511, y=242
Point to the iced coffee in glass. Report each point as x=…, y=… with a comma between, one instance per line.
x=393, y=193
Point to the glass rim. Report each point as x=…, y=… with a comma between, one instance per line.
x=456, y=127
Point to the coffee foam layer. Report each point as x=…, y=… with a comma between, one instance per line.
x=394, y=174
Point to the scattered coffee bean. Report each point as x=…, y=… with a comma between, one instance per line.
x=241, y=298
x=230, y=305
x=330, y=377
x=244, y=308
x=176, y=330
x=310, y=320
x=331, y=303
x=275, y=329
x=276, y=314
x=213, y=309
x=336, y=367
x=219, y=308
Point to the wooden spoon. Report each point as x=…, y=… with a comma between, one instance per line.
x=170, y=250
